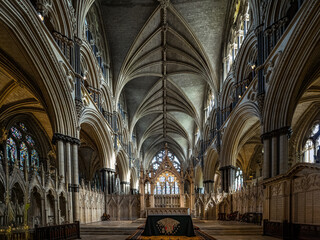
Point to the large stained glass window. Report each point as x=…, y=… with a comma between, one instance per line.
x=158, y=158
x=311, y=149
x=167, y=183
x=21, y=147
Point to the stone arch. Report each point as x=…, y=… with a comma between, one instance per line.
x=36, y=209
x=41, y=132
x=123, y=166
x=298, y=68
x=211, y=164
x=227, y=93
x=244, y=117
x=101, y=134
x=26, y=59
x=134, y=180
x=51, y=207
x=63, y=208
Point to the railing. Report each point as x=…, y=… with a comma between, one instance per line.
x=285, y=230
x=66, y=231
x=16, y=235
x=275, y=229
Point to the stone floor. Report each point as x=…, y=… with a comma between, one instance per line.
x=120, y=230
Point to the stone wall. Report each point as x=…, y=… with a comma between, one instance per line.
x=92, y=204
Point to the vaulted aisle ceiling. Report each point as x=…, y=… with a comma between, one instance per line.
x=164, y=55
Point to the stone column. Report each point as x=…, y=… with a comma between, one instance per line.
x=60, y=150
x=109, y=182
x=43, y=212
x=104, y=174
x=77, y=68
x=69, y=213
x=274, y=155
x=142, y=203
x=122, y=187
x=283, y=153
x=182, y=195
x=266, y=158
x=113, y=181
x=75, y=182
x=192, y=198
x=56, y=212
x=152, y=195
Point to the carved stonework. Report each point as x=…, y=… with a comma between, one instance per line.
x=164, y=3
x=79, y=108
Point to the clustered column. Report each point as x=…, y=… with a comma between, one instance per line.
x=125, y=187
x=228, y=175
x=275, y=145
x=108, y=180
x=208, y=186
x=68, y=169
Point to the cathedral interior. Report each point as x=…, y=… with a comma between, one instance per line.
x=119, y=109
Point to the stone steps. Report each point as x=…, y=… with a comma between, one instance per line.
x=217, y=232
x=107, y=230
x=214, y=231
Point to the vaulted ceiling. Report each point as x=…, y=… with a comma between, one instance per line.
x=164, y=56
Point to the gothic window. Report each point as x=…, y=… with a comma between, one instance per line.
x=239, y=179
x=157, y=160
x=21, y=147
x=147, y=188
x=23, y=156
x=11, y=151
x=166, y=183
x=311, y=150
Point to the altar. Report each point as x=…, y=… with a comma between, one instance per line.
x=169, y=225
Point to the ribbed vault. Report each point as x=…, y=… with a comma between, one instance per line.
x=163, y=64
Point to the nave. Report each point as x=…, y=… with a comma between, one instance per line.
x=121, y=109
x=121, y=230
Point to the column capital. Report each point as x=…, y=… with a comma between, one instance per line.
x=277, y=132
x=61, y=137
x=208, y=181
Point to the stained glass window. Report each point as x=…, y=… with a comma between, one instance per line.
x=158, y=158
x=24, y=161
x=167, y=184
x=21, y=146
x=30, y=140
x=34, y=158
x=16, y=133
x=23, y=127
x=11, y=150
x=311, y=149
x=176, y=188
x=156, y=166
